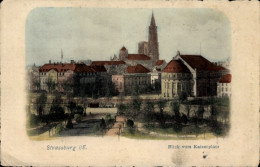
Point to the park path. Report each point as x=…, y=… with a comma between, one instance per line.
x=118, y=126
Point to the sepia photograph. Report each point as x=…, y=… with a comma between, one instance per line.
x=120, y=83
x=164, y=75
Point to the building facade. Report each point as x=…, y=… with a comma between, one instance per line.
x=224, y=86
x=148, y=51
x=205, y=74
x=119, y=82
x=137, y=79
x=176, y=79
x=59, y=76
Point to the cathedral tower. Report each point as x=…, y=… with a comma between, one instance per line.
x=123, y=53
x=153, y=45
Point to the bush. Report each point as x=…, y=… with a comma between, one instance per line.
x=59, y=128
x=177, y=128
x=77, y=118
x=34, y=120
x=103, y=124
x=130, y=123
x=69, y=124
x=108, y=119
x=96, y=128
x=79, y=110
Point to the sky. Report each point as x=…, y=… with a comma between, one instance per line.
x=99, y=33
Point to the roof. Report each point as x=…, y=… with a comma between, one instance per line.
x=137, y=69
x=57, y=67
x=123, y=48
x=159, y=62
x=65, y=67
x=83, y=68
x=176, y=66
x=226, y=78
x=102, y=63
x=99, y=68
x=200, y=63
x=137, y=57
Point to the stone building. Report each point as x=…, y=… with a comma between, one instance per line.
x=61, y=74
x=205, y=74
x=176, y=78
x=136, y=79
x=148, y=51
x=224, y=86
x=118, y=80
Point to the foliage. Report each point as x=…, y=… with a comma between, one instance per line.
x=37, y=84
x=200, y=112
x=149, y=112
x=69, y=124
x=59, y=128
x=96, y=128
x=34, y=120
x=214, y=112
x=77, y=118
x=184, y=119
x=183, y=96
x=177, y=128
x=51, y=85
x=103, y=124
x=175, y=108
x=57, y=113
x=79, y=110
x=130, y=123
x=72, y=106
x=41, y=101
x=161, y=118
x=122, y=109
x=108, y=119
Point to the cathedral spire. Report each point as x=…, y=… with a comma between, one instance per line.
x=152, y=21
x=153, y=45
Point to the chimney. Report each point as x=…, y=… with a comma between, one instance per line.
x=49, y=61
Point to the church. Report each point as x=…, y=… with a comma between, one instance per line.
x=148, y=51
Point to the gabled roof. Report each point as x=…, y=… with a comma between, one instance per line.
x=123, y=48
x=57, y=67
x=176, y=66
x=200, y=63
x=83, y=68
x=102, y=63
x=137, y=57
x=226, y=78
x=159, y=62
x=66, y=67
x=137, y=69
x=99, y=68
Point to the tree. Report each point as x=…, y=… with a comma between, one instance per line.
x=103, y=124
x=175, y=108
x=161, y=104
x=214, y=112
x=37, y=84
x=130, y=123
x=122, y=109
x=183, y=96
x=72, y=105
x=79, y=110
x=51, y=85
x=200, y=112
x=188, y=109
x=136, y=106
x=148, y=114
x=41, y=101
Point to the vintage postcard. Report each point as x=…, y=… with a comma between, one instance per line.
x=168, y=83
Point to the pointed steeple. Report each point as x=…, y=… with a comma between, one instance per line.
x=152, y=21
